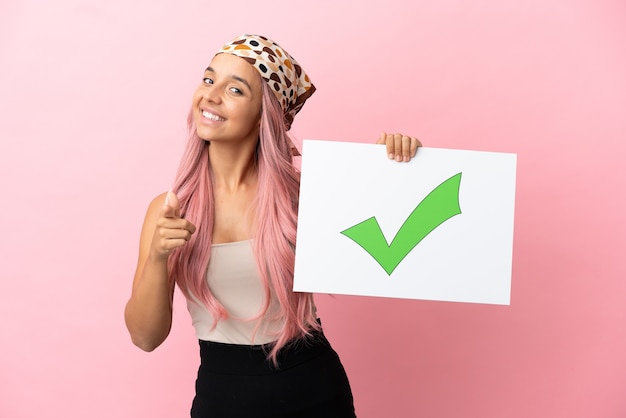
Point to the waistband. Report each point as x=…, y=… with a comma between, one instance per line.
x=223, y=358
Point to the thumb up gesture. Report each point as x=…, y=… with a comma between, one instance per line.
x=171, y=230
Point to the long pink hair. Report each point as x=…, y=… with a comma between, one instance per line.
x=274, y=229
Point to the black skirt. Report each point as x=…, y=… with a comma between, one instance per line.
x=239, y=381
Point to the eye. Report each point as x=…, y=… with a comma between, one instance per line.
x=236, y=91
x=207, y=80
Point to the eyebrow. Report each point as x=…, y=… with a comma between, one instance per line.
x=234, y=77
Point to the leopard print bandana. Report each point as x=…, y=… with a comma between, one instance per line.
x=281, y=71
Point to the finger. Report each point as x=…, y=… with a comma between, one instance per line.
x=406, y=148
x=168, y=245
x=168, y=212
x=389, y=146
x=381, y=138
x=172, y=205
x=175, y=223
x=174, y=234
x=397, y=145
x=167, y=239
x=190, y=227
x=415, y=144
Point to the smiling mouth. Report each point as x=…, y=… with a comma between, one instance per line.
x=211, y=116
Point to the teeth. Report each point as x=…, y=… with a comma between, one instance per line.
x=211, y=116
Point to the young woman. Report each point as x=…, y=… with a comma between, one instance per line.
x=226, y=234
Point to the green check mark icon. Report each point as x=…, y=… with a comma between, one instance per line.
x=441, y=204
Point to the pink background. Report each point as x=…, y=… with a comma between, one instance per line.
x=93, y=98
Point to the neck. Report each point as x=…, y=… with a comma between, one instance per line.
x=233, y=167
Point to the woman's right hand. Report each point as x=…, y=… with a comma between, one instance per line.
x=171, y=231
x=148, y=313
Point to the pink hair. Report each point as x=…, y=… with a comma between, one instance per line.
x=275, y=225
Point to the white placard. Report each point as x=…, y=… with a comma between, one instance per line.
x=451, y=212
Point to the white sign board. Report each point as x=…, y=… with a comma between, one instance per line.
x=439, y=227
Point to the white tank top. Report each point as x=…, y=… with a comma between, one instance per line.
x=234, y=280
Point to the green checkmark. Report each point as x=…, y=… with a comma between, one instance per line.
x=440, y=205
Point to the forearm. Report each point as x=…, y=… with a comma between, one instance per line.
x=148, y=312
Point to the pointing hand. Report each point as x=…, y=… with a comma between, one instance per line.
x=171, y=230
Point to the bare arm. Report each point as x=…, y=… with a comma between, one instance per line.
x=148, y=312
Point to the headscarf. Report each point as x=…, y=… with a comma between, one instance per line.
x=287, y=80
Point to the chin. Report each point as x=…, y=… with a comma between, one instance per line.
x=203, y=132
x=202, y=135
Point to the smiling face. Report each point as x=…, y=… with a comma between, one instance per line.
x=227, y=104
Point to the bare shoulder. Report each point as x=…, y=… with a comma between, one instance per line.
x=152, y=215
x=155, y=205
x=158, y=200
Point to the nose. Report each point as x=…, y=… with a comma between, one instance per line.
x=212, y=95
